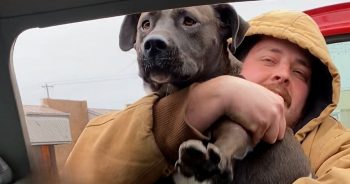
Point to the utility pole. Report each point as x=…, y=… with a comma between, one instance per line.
x=46, y=86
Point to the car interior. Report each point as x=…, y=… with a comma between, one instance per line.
x=17, y=16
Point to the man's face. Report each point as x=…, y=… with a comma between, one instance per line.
x=282, y=67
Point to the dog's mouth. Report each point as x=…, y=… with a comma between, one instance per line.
x=162, y=68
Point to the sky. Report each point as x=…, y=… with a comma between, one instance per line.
x=82, y=61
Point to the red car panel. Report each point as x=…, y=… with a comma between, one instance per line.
x=333, y=19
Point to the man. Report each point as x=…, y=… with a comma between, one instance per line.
x=286, y=53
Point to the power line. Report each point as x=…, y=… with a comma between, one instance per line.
x=46, y=86
x=119, y=76
x=93, y=80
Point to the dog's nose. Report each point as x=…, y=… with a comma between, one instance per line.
x=154, y=45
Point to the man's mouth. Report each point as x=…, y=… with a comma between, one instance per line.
x=278, y=89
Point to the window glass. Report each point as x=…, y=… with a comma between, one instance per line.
x=69, y=74
x=340, y=55
x=80, y=61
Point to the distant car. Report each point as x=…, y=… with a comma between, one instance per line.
x=16, y=16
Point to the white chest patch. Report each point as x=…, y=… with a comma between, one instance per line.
x=180, y=179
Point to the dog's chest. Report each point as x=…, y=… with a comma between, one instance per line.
x=180, y=179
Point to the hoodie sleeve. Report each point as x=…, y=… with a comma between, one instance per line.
x=169, y=128
x=329, y=154
x=336, y=174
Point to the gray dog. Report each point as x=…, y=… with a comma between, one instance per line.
x=178, y=47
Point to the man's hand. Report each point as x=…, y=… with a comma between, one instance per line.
x=257, y=109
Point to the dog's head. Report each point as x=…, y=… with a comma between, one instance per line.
x=184, y=45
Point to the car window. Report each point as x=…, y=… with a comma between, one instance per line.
x=80, y=61
x=69, y=74
x=340, y=55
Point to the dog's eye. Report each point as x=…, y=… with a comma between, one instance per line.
x=189, y=21
x=146, y=24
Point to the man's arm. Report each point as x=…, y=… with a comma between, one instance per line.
x=188, y=113
x=254, y=107
x=169, y=128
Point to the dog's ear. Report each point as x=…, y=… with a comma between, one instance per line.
x=128, y=30
x=236, y=25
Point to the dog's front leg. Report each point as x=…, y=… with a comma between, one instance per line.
x=214, y=162
x=232, y=142
x=232, y=139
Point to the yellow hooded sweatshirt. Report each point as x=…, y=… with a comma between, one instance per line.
x=140, y=143
x=324, y=140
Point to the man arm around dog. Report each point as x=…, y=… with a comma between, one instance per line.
x=324, y=140
x=128, y=146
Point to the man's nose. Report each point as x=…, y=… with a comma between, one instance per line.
x=282, y=74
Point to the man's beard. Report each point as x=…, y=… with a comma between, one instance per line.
x=280, y=90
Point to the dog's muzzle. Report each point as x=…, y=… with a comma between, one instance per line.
x=159, y=61
x=154, y=46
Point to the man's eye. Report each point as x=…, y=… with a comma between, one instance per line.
x=189, y=21
x=146, y=24
x=268, y=61
x=301, y=75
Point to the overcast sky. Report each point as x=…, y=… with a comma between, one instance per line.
x=82, y=61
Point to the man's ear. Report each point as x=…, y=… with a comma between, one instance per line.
x=128, y=30
x=234, y=25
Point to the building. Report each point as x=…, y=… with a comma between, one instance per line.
x=54, y=128
x=46, y=128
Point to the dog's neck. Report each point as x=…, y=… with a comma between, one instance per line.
x=167, y=89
